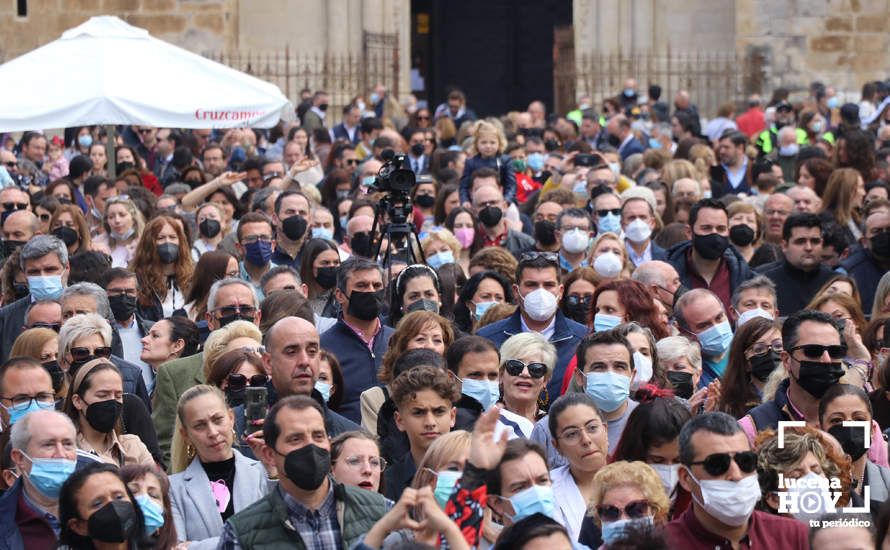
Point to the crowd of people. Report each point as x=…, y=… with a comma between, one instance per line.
x=614, y=314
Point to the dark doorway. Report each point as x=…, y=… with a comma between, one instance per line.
x=499, y=52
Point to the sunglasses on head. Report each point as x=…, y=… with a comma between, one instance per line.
x=718, y=463
x=514, y=367
x=633, y=510
x=82, y=354
x=815, y=351
x=239, y=381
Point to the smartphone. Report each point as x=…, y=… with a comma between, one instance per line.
x=256, y=403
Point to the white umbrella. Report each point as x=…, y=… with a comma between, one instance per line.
x=108, y=72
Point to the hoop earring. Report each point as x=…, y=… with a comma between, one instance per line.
x=190, y=451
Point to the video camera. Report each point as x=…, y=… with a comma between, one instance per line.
x=393, y=176
x=395, y=180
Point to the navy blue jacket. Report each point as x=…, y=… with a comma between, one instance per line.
x=10, y=536
x=864, y=269
x=339, y=132
x=567, y=335
x=739, y=270
x=632, y=147
x=359, y=364
x=504, y=167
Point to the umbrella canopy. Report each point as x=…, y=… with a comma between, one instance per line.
x=106, y=71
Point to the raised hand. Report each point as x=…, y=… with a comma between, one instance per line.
x=397, y=518
x=485, y=451
x=228, y=178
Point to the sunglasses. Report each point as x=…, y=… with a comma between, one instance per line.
x=52, y=326
x=239, y=381
x=11, y=163
x=514, y=367
x=633, y=510
x=82, y=354
x=606, y=211
x=14, y=206
x=247, y=311
x=815, y=351
x=718, y=463
x=352, y=162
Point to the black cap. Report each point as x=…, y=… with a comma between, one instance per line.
x=784, y=106
x=850, y=112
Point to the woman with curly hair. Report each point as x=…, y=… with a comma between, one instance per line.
x=163, y=267
x=842, y=202
x=620, y=486
x=856, y=149
x=620, y=301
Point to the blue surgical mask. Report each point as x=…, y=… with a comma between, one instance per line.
x=535, y=161
x=580, y=188
x=48, y=474
x=324, y=389
x=609, y=223
x=258, y=253
x=152, y=513
x=481, y=308
x=17, y=413
x=47, y=287
x=537, y=499
x=832, y=102
x=613, y=531
x=603, y=322
x=486, y=392
x=123, y=236
x=445, y=482
x=438, y=260
x=368, y=181
x=85, y=140
x=654, y=143
x=322, y=233
x=716, y=340
x=609, y=390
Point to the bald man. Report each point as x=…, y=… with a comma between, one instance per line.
x=806, y=201
x=18, y=228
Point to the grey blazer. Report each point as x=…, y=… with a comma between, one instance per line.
x=195, y=513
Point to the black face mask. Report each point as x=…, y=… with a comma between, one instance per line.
x=490, y=216
x=56, y=373
x=880, y=245
x=425, y=201
x=307, y=467
x=226, y=319
x=122, y=167
x=614, y=140
x=711, y=246
x=323, y=107
x=816, y=377
x=851, y=438
x=66, y=235
x=417, y=149
x=326, y=277
x=114, y=522
x=360, y=243
x=122, y=306
x=764, y=364
x=365, y=305
x=103, y=415
x=578, y=308
x=551, y=145
x=682, y=382
x=423, y=305
x=209, y=228
x=11, y=246
x=20, y=290
x=545, y=232
x=168, y=253
x=741, y=235
x=74, y=366
x=294, y=227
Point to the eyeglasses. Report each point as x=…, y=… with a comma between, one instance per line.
x=815, y=351
x=247, y=311
x=759, y=348
x=52, y=326
x=14, y=206
x=633, y=510
x=534, y=255
x=82, y=354
x=514, y=367
x=352, y=162
x=250, y=239
x=22, y=402
x=573, y=436
x=606, y=211
x=355, y=462
x=239, y=381
x=718, y=463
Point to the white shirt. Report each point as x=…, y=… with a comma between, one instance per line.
x=570, y=505
x=546, y=333
x=515, y=425
x=638, y=259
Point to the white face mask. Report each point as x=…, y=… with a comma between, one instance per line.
x=637, y=231
x=575, y=241
x=643, y=367
x=751, y=314
x=669, y=474
x=608, y=264
x=539, y=304
x=729, y=502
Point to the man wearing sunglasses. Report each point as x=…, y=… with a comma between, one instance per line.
x=699, y=314
x=229, y=300
x=18, y=228
x=12, y=199
x=814, y=347
x=44, y=314
x=539, y=291
x=801, y=273
x=720, y=472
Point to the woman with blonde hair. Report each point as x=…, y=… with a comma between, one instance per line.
x=745, y=228
x=679, y=169
x=416, y=330
x=609, y=258
x=42, y=344
x=527, y=363
x=123, y=224
x=842, y=202
x=235, y=335
x=211, y=481
x=627, y=493
x=163, y=267
x=440, y=247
